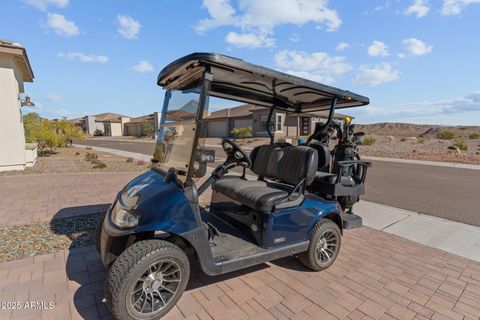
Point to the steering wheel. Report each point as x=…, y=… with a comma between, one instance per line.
x=235, y=153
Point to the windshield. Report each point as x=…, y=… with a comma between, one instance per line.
x=176, y=134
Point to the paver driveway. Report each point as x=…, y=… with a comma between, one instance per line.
x=376, y=276
x=39, y=197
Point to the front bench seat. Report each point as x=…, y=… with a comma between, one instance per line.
x=288, y=167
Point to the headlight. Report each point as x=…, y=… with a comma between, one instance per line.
x=122, y=218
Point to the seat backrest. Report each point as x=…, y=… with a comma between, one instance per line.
x=288, y=164
x=323, y=154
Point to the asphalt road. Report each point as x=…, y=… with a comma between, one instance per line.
x=451, y=193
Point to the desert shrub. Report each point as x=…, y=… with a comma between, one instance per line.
x=88, y=148
x=242, y=133
x=99, y=165
x=49, y=134
x=403, y=139
x=77, y=153
x=474, y=136
x=91, y=157
x=422, y=140
x=461, y=144
x=445, y=135
x=140, y=162
x=368, y=140
x=98, y=133
x=129, y=159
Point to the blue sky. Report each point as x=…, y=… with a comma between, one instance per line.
x=417, y=60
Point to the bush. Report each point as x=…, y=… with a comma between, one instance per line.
x=403, y=139
x=77, y=153
x=422, y=140
x=474, y=136
x=91, y=157
x=445, y=135
x=98, y=133
x=140, y=162
x=88, y=148
x=368, y=140
x=50, y=134
x=461, y=144
x=129, y=159
x=242, y=133
x=99, y=165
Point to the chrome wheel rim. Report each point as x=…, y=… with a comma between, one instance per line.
x=156, y=287
x=326, y=248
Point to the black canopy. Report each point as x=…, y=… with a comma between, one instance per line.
x=238, y=80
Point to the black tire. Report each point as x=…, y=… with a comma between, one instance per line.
x=314, y=258
x=122, y=283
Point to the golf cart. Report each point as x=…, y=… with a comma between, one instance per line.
x=155, y=224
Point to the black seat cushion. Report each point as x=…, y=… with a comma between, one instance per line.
x=261, y=196
x=285, y=164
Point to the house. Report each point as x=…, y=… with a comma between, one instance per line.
x=221, y=122
x=143, y=126
x=15, y=69
x=109, y=124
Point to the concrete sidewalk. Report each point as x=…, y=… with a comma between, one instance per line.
x=454, y=237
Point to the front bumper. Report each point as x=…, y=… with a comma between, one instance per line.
x=113, y=241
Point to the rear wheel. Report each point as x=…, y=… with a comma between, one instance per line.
x=324, y=246
x=146, y=280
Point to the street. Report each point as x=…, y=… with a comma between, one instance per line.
x=450, y=193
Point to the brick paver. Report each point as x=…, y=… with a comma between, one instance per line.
x=39, y=197
x=376, y=276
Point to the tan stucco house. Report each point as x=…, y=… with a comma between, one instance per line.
x=15, y=69
x=108, y=123
x=220, y=123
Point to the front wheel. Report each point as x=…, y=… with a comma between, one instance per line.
x=146, y=280
x=324, y=246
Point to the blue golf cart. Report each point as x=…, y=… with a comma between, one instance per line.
x=278, y=200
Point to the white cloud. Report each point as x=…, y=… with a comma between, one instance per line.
x=52, y=97
x=129, y=28
x=317, y=66
x=249, y=40
x=260, y=18
x=82, y=57
x=453, y=7
x=61, y=25
x=45, y=4
x=342, y=46
x=419, y=8
x=417, y=47
x=143, y=66
x=378, y=74
x=378, y=49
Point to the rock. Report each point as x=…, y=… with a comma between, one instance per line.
x=412, y=138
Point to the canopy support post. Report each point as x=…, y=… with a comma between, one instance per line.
x=269, y=122
x=331, y=113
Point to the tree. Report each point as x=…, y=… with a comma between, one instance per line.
x=147, y=128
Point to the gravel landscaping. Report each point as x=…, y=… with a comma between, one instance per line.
x=23, y=241
x=75, y=160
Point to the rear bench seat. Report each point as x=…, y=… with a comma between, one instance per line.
x=283, y=173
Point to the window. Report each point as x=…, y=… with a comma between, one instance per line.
x=276, y=122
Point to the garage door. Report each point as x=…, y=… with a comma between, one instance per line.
x=217, y=129
x=243, y=123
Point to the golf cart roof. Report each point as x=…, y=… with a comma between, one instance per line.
x=238, y=80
